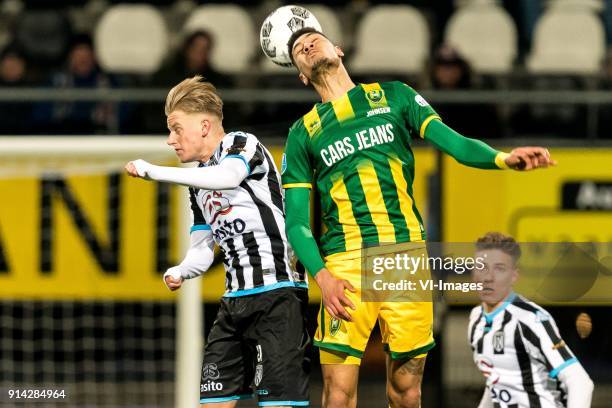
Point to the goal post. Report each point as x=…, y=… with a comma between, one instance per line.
x=82, y=251
x=189, y=332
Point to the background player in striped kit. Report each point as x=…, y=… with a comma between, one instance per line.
x=356, y=145
x=259, y=336
x=516, y=343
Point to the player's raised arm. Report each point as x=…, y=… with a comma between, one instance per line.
x=238, y=159
x=476, y=153
x=198, y=259
x=227, y=175
x=470, y=152
x=528, y=158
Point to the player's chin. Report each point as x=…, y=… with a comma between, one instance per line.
x=487, y=295
x=322, y=63
x=183, y=158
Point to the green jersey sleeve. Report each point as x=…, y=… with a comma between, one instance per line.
x=417, y=111
x=296, y=168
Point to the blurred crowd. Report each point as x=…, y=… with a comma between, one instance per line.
x=81, y=70
x=76, y=67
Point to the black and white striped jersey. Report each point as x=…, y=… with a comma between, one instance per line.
x=518, y=349
x=248, y=222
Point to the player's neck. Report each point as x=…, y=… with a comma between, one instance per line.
x=333, y=85
x=216, y=135
x=491, y=307
x=488, y=307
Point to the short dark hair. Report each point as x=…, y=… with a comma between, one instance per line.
x=297, y=34
x=12, y=50
x=497, y=240
x=196, y=34
x=81, y=39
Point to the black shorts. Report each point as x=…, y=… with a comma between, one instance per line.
x=259, y=344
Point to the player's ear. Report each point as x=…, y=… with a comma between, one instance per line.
x=205, y=127
x=339, y=51
x=304, y=79
x=515, y=274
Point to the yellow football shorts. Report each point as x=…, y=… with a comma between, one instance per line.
x=406, y=327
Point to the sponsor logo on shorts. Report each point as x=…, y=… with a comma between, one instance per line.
x=210, y=372
x=334, y=326
x=258, y=374
x=209, y=386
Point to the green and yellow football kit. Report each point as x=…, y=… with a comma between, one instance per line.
x=356, y=151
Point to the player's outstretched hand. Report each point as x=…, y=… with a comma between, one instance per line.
x=173, y=278
x=529, y=158
x=335, y=300
x=137, y=168
x=172, y=283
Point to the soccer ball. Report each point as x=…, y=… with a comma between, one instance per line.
x=277, y=29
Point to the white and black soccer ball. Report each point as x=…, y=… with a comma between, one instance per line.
x=277, y=29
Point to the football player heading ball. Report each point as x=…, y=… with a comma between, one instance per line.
x=357, y=143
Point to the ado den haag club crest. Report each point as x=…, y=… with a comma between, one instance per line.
x=375, y=95
x=334, y=326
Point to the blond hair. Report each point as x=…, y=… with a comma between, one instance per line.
x=193, y=95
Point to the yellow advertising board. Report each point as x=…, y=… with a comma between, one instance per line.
x=569, y=202
x=60, y=238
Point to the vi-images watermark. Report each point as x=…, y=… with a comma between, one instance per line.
x=568, y=273
x=411, y=271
